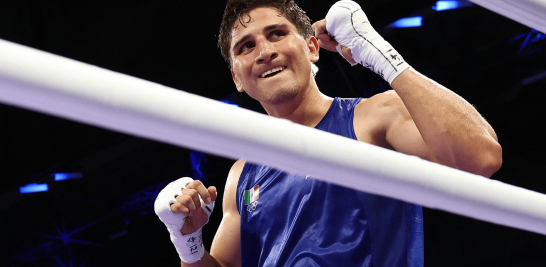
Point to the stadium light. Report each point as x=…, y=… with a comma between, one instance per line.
x=67, y=175
x=33, y=188
x=408, y=22
x=448, y=5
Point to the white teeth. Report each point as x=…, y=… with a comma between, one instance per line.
x=271, y=71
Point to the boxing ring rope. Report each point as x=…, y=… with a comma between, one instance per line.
x=66, y=88
x=531, y=13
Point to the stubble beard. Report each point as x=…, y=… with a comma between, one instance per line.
x=285, y=94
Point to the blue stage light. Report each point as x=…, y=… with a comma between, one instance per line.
x=448, y=5
x=67, y=176
x=33, y=188
x=538, y=37
x=197, y=158
x=408, y=22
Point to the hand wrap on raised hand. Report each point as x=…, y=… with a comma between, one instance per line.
x=349, y=26
x=189, y=247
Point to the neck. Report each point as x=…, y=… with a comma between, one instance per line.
x=307, y=108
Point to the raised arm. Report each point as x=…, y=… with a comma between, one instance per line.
x=456, y=134
x=423, y=118
x=384, y=120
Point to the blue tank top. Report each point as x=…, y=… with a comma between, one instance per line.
x=292, y=220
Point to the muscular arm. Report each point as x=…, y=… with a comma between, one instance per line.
x=423, y=118
x=226, y=247
x=384, y=120
x=453, y=131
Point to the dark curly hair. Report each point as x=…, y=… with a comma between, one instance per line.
x=239, y=10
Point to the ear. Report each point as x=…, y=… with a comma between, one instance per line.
x=237, y=82
x=314, y=48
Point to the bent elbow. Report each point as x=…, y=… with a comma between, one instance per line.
x=490, y=161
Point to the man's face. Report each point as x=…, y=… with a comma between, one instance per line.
x=270, y=59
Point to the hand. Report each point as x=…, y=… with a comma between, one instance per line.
x=349, y=26
x=177, y=202
x=189, y=205
x=184, y=206
x=327, y=42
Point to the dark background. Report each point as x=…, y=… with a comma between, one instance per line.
x=106, y=218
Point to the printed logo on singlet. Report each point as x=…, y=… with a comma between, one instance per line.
x=252, y=206
x=251, y=198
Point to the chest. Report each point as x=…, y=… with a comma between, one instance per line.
x=284, y=199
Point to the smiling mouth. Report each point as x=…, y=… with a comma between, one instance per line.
x=273, y=72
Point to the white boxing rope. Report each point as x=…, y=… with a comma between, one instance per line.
x=531, y=13
x=66, y=88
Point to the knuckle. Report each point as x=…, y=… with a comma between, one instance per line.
x=176, y=207
x=185, y=211
x=189, y=185
x=185, y=200
x=181, y=209
x=193, y=184
x=192, y=193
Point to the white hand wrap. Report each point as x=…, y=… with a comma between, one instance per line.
x=189, y=247
x=349, y=26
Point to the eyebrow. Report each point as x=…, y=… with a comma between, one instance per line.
x=265, y=29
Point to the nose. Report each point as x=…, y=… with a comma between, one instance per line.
x=266, y=51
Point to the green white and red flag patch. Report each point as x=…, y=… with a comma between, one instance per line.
x=252, y=195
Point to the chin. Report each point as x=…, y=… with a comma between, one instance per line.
x=284, y=96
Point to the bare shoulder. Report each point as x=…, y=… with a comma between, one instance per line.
x=231, y=184
x=384, y=107
x=374, y=116
x=388, y=99
x=235, y=173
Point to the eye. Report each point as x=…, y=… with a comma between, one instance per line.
x=277, y=34
x=246, y=47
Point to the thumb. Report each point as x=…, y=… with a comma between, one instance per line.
x=347, y=54
x=213, y=193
